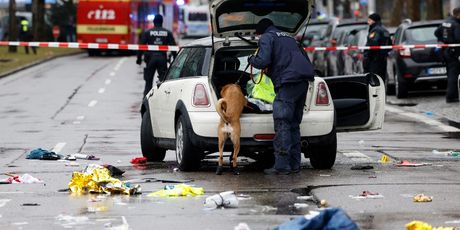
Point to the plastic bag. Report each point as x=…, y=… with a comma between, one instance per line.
x=178, y=190
x=263, y=90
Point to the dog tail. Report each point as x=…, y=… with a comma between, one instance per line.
x=221, y=108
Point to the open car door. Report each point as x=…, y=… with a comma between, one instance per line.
x=359, y=101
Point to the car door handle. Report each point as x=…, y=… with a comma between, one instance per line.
x=167, y=92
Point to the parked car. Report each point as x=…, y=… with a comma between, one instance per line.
x=342, y=30
x=418, y=65
x=179, y=113
x=319, y=57
x=353, y=59
x=314, y=32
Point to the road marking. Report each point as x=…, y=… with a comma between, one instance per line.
x=108, y=81
x=76, y=122
x=101, y=90
x=80, y=118
x=3, y=202
x=92, y=103
x=117, y=67
x=58, y=148
x=112, y=74
x=422, y=118
x=357, y=156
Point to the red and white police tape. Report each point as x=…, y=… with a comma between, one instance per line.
x=176, y=48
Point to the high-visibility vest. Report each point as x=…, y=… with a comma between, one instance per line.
x=25, y=25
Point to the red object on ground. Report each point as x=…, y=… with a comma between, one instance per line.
x=138, y=160
x=406, y=163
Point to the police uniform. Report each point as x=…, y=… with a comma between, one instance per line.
x=155, y=60
x=25, y=35
x=375, y=61
x=290, y=72
x=449, y=33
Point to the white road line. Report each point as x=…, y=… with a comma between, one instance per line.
x=112, y=74
x=356, y=155
x=101, y=90
x=76, y=122
x=58, y=148
x=92, y=103
x=108, y=81
x=422, y=118
x=117, y=67
x=80, y=118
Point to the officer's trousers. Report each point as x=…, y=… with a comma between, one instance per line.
x=287, y=115
x=154, y=64
x=453, y=70
x=378, y=66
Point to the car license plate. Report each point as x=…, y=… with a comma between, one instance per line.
x=440, y=70
x=101, y=40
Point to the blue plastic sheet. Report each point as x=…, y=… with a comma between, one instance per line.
x=327, y=219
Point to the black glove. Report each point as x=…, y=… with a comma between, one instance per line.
x=139, y=61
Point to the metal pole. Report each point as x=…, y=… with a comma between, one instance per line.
x=371, y=7
x=330, y=7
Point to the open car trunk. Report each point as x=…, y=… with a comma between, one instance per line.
x=230, y=67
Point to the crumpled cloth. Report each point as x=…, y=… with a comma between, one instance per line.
x=420, y=225
x=24, y=179
x=138, y=160
x=178, y=190
x=329, y=218
x=98, y=180
x=42, y=154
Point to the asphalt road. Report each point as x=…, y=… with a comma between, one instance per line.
x=91, y=105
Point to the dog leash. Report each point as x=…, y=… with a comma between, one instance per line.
x=250, y=74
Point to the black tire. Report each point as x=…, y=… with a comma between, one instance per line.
x=188, y=157
x=322, y=155
x=400, y=86
x=148, y=147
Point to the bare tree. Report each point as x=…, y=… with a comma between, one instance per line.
x=396, y=13
x=413, y=7
x=38, y=20
x=13, y=27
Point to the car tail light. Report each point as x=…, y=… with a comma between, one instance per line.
x=322, y=97
x=408, y=75
x=405, y=53
x=264, y=137
x=200, y=97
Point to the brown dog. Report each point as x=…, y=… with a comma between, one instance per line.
x=230, y=107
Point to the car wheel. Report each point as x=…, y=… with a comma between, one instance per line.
x=148, y=147
x=401, y=86
x=322, y=155
x=187, y=156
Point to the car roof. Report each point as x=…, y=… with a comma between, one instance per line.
x=421, y=23
x=207, y=41
x=350, y=22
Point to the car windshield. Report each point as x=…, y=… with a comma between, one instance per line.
x=315, y=31
x=197, y=16
x=421, y=35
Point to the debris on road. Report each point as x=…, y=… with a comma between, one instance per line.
x=420, y=225
x=97, y=179
x=323, y=203
x=24, y=179
x=73, y=164
x=42, y=154
x=85, y=156
x=384, y=159
x=71, y=221
x=367, y=195
x=362, y=167
x=329, y=218
x=422, y=198
x=300, y=205
x=447, y=153
x=305, y=197
x=150, y=180
x=178, y=190
x=139, y=161
x=406, y=163
x=226, y=199
x=114, y=171
x=242, y=226
x=30, y=204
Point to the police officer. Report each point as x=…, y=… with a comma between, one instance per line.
x=290, y=71
x=25, y=35
x=449, y=33
x=155, y=60
x=375, y=61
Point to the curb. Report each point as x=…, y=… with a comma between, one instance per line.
x=35, y=64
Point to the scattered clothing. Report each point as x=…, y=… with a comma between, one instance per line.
x=114, y=171
x=422, y=198
x=419, y=225
x=178, y=190
x=329, y=218
x=24, y=179
x=226, y=199
x=138, y=160
x=42, y=154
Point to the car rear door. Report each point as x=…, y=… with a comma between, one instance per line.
x=359, y=101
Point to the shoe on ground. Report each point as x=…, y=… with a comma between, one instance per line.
x=273, y=171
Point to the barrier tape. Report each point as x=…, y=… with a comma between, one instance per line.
x=176, y=48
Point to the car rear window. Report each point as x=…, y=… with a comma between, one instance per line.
x=421, y=35
x=197, y=16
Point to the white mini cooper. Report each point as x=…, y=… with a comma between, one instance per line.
x=179, y=113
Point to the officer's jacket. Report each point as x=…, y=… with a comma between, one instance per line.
x=378, y=36
x=157, y=36
x=281, y=55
